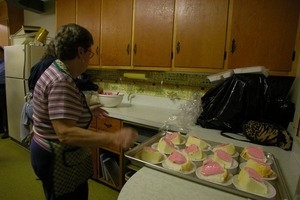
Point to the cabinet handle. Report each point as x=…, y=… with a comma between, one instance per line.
x=178, y=47
x=97, y=50
x=135, y=49
x=233, y=46
x=128, y=49
x=294, y=55
x=108, y=125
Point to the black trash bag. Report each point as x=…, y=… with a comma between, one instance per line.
x=240, y=98
x=281, y=110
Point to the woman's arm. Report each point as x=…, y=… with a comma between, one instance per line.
x=69, y=133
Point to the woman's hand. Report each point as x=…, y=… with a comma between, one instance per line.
x=126, y=137
x=98, y=111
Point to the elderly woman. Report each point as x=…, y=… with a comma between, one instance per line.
x=61, y=116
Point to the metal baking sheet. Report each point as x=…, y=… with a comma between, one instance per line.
x=279, y=183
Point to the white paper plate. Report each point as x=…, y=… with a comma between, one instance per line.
x=182, y=142
x=138, y=156
x=208, y=148
x=226, y=183
x=270, y=193
x=267, y=179
x=192, y=170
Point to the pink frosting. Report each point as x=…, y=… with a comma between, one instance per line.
x=191, y=148
x=177, y=158
x=173, y=135
x=253, y=174
x=169, y=142
x=223, y=155
x=211, y=167
x=255, y=152
x=150, y=149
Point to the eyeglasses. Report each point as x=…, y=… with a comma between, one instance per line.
x=91, y=53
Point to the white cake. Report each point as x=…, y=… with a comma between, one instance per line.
x=229, y=148
x=253, y=152
x=197, y=141
x=165, y=146
x=151, y=155
x=223, y=158
x=262, y=168
x=250, y=181
x=213, y=171
x=178, y=162
x=193, y=152
x=175, y=137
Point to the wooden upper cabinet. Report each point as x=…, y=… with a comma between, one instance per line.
x=65, y=12
x=11, y=20
x=201, y=27
x=3, y=11
x=4, y=33
x=263, y=33
x=153, y=33
x=195, y=36
x=88, y=16
x=85, y=13
x=116, y=32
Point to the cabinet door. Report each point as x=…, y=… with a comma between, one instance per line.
x=88, y=16
x=263, y=33
x=93, y=124
x=114, y=152
x=65, y=12
x=4, y=33
x=153, y=30
x=110, y=125
x=201, y=33
x=116, y=32
x=11, y=20
x=3, y=11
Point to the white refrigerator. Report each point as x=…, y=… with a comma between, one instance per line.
x=18, y=62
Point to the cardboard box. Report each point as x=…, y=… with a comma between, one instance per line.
x=24, y=35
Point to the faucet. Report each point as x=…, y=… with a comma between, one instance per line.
x=130, y=97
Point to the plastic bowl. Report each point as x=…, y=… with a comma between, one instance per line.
x=111, y=99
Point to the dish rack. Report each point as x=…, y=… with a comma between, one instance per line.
x=279, y=183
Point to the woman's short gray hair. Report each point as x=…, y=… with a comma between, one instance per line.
x=68, y=38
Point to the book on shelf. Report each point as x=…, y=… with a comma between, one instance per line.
x=103, y=156
x=112, y=170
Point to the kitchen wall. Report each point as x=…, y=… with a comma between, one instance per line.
x=45, y=20
x=295, y=90
x=172, y=85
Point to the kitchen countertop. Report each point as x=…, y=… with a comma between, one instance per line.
x=147, y=183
